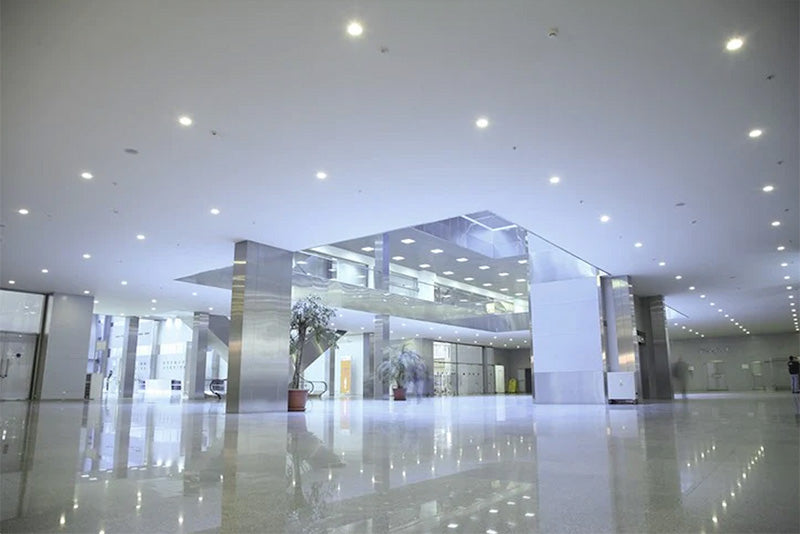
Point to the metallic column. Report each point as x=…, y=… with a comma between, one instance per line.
x=128, y=364
x=155, y=349
x=380, y=352
x=195, y=370
x=382, y=257
x=331, y=374
x=258, y=361
x=660, y=377
x=368, y=385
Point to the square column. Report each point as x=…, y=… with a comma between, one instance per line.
x=258, y=362
x=127, y=366
x=195, y=370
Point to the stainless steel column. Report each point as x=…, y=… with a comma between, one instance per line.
x=128, y=364
x=258, y=361
x=330, y=375
x=380, y=352
x=195, y=370
x=658, y=345
x=155, y=349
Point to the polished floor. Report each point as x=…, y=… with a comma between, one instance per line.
x=712, y=463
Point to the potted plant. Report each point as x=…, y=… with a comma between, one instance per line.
x=402, y=368
x=310, y=320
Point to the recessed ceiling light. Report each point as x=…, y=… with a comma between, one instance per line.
x=45, y=271
x=711, y=304
x=153, y=301
x=502, y=274
x=185, y=120
x=210, y=308
x=788, y=287
x=483, y=267
x=97, y=302
x=407, y=241
x=469, y=279
x=398, y=258
x=487, y=284
x=86, y=175
x=554, y=179
x=482, y=122
x=12, y=282
x=683, y=328
x=214, y=211
x=86, y=256
x=504, y=289
x=23, y=211
x=768, y=188
x=755, y=133
x=678, y=277
x=662, y=263
x=522, y=262
x=691, y=288
x=436, y=251
x=604, y=218
x=733, y=44
x=776, y=223
x=727, y=315
x=367, y=249
x=637, y=245
x=518, y=294
x=447, y=273
x=786, y=277
x=424, y=265
x=719, y=310
x=152, y=309
x=781, y=248
x=784, y=264
x=194, y=293
x=140, y=237
x=702, y=296
x=124, y=282
x=321, y=175
x=355, y=29
x=462, y=260
x=521, y=280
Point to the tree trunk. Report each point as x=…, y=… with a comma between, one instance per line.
x=301, y=341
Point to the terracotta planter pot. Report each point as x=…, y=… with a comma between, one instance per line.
x=399, y=394
x=297, y=400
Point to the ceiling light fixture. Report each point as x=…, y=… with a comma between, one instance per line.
x=702, y=296
x=462, y=260
x=678, y=277
x=483, y=267
x=784, y=264
x=487, y=284
x=355, y=29
x=781, y=248
x=321, y=175
x=469, y=279
x=86, y=291
x=12, y=282
x=604, y=218
x=86, y=256
x=424, y=265
x=124, y=282
x=86, y=175
x=407, y=241
x=482, y=122
x=140, y=237
x=185, y=120
x=662, y=263
x=638, y=245
x=436, y=251
x=367, y=249
x=768, y=188
x=45, y=271
x=23, y=211
x=447, y=273
x=734, y=43
x=398, y=258
x=755, y=133
x=502, y=274
x=554, y=179
x=776, y=223
x=522, y=262
x=691, y=288
x=214, y=211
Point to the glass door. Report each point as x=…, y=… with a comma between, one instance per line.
x=17, y=353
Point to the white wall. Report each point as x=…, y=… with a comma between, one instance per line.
x=566, y=326
x=737, y=351
x=67, y=330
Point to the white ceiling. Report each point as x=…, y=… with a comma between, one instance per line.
x=636, y=105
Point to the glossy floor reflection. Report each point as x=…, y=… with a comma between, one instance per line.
x=714, y=463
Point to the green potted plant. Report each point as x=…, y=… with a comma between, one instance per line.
x=402, y=368
x=311, y=319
